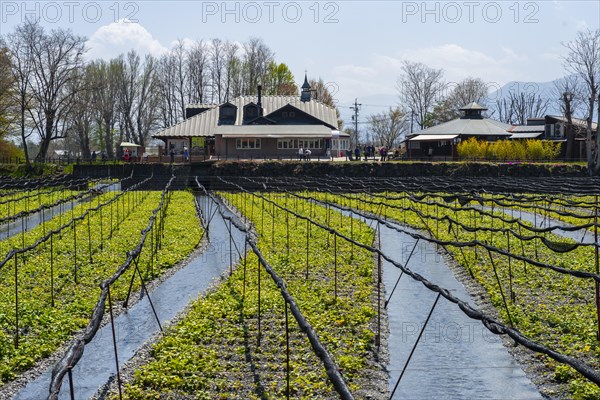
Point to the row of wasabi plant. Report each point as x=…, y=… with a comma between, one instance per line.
x=555, y=309
x=232, y=342
x=57, y=282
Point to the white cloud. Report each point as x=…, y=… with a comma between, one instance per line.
x=120, y=37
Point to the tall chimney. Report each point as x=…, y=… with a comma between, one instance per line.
x=259, y=103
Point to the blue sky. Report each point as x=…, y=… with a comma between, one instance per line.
x=357, y=46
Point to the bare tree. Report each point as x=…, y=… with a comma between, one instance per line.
x=20, y=53
x=81, y=117
x=217, y=67
x=233, y=71
x=138, y=99
x=583, y=60
x=323, y=94
x=106, y=81
x=467, y=91
x=518, y=107
x=57, y=58
x=388, y=127
x=169, y=104
x=7, y=92
x=505, y=110
x=180, y=55
x=567, y=94
x=419, y=87
x=197, y=72
x=528, y=105
x=257, y=56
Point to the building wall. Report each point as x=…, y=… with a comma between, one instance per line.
x=227, y=148
x=419, y=149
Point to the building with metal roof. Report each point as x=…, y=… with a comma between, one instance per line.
x=258, y=126
x=441, y=140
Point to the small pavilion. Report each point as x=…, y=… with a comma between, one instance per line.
x=440, y=141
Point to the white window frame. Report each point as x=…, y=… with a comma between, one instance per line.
x=311, y=143
x=247, y=144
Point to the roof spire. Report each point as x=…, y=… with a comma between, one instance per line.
x=305, y=85
x=305, y=94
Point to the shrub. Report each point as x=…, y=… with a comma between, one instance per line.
x=468, y=149
x=551, y=150
x=505, y=150
x=10, y=151
x=535, y=150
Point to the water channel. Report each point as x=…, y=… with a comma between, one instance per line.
x=541, y=221
x=457, y=357
x=30, y=221
x=136, y=326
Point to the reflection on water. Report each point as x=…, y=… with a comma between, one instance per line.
x=457, y=357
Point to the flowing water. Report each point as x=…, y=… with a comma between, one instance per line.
x=456, y=357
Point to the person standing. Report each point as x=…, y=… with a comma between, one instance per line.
x=301, y=153
x=172, y=153
x=307, y=153
x=186, y=154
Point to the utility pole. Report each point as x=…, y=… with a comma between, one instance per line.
x=355, y=108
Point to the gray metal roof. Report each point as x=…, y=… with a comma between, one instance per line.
x=204, y=124
x=472, y=106
x=526, y=135
x=528, y=128
x=432, y=137
x=279, y=131
x=201, y=105
x=470, y=127
x=576, y=121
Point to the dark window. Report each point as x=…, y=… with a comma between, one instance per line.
x=250, y=111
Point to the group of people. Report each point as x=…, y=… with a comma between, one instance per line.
x=102, y=156
x=369, y=152
x=304, y=154
x=186, y=155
